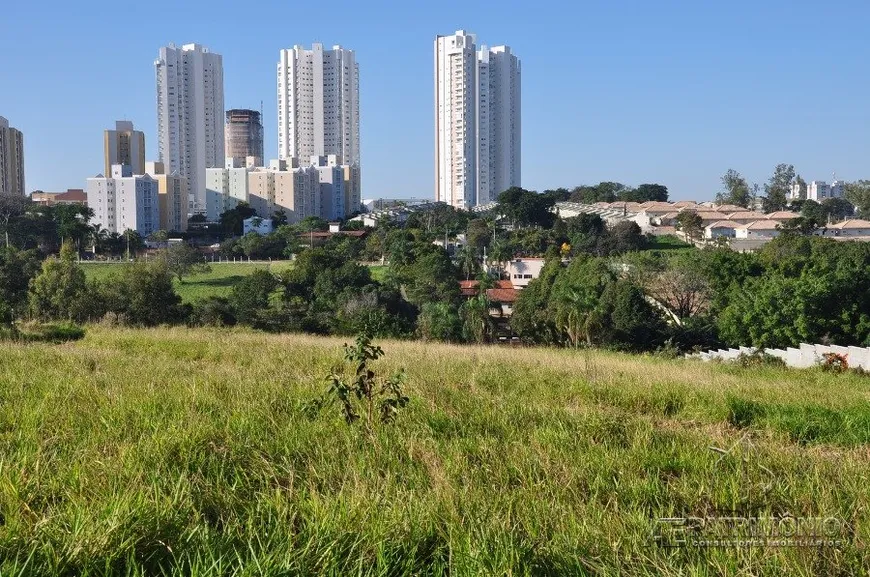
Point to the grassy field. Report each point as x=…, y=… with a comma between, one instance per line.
x=196, y=452
x=219, y=282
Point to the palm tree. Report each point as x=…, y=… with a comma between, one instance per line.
x=579, y=317
x=468, y=261
x=98, y=237
x=475, y=317
x=501, y=253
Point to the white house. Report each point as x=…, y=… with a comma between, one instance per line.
x=746, y=216
x=758, y=229
x=256, y=224
x=522, y=271
x=782, y=215
x=726, y=228
x=849, y=228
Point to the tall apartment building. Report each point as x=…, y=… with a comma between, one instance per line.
x=477, y=120
x=190, y=115
x=819, y=190
x=124, y=201
x=172, y=193
x=11, y=160
x=124, y=145
x=244, y=135
x=318, y=103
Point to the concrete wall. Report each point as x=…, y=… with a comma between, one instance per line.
x=803, y=357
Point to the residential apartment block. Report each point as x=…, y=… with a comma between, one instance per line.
x=477, y=121
x=124, y=201
x=124, y=145
x=820, y=190
x=172, y=192
x=190, y=115
x=11, y=160
x=318, y=103
x=322, y=187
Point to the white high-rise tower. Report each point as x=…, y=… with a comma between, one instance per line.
x=190, y=115
x=318, y=104
x=477, y=121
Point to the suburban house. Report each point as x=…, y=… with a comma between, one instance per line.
x=746, y=216
x=758, y=229
x=523, y=270
x=782, y=215
x=726, y=228
x=852, y=228
x=502, y=295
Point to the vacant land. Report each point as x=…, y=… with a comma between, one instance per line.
x=219, y=282
x=197, y=451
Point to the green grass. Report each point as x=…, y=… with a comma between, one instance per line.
x=667, y=242
x=195, y=452
x=219, y=282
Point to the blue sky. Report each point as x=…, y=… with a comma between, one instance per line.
x=632, y=91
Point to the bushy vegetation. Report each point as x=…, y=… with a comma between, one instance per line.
x=171, y=450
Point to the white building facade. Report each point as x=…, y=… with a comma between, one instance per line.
x=318, y=103
x=124, y=201
x=477, y=121
x=820, y=190
x=190, y=115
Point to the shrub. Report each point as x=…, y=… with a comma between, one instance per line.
x=834, y=362
x=759, y=358
x=364, y=398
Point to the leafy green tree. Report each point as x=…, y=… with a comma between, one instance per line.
x=479, y=234
x=532, y=320
x=213, y=311
x=576, y=296
x=645, y=193
x=12, y=208
x=691, y=224
x=735, y=190
x=778, y=187
x=17, y=268
x=858, y=193
x=625, y=236
x=440, y=322
x=838, y=209
x=143, y=295
x=468, y=261
x=60, y=291
x=814, y=212
x=431, y=277
x=526, y=208
x=279, y=218
x=233, y=220
x=802, y=187
x=477, y=326
x=183, y=260
x=250, y=297
x=311, y=224
x=72, y=223
x=587, y=234
x=634, y=323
